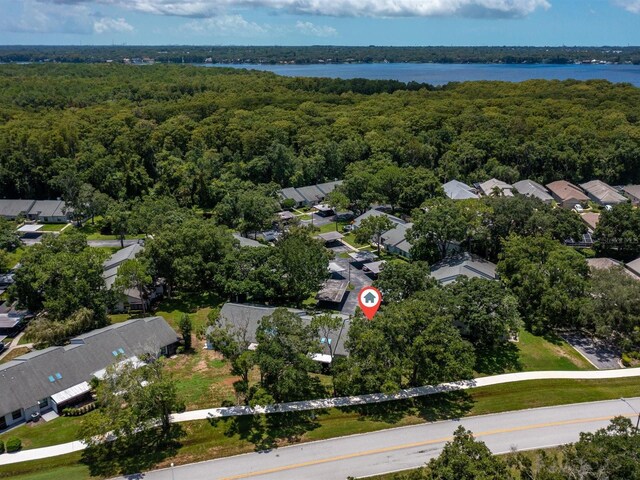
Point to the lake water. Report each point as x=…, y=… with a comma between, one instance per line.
x=439, y=74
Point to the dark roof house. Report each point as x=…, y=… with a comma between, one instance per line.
x=602, y=193
x=11, y=209
x=31, y=383
x=311, y=194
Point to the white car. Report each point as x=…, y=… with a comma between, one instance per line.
x=608, y=208
x=578, y=208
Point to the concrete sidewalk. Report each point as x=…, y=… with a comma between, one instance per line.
x=64, y=448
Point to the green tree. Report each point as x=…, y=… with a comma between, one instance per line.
x=327, y=326
x=118, y=218
x=612, y=307
x=487, y=312
x=399, y=280
x=4, y=261
x=465, y=458
x=373, y=227
x=9, y=238
x=186, y=326
x=618, y=232
x=284, y=345
x=436, y=228
x=134, y=274
x=548, y=279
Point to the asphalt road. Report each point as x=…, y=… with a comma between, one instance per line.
x=599, y=354
x=406, y=447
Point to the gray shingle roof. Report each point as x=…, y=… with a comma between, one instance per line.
x=377, y=213
x=632, y=190
x=397, y=237
x=489, y=187
x=248, y=317
x=48, y=208
x=13, y=208
x=456, y=190
x=293, y=194
x=310, y=193
x=465, y=264
x=634, y=266
x=329, y=187
x=25, y=380
x=533, y=189
x=247, y=242
x=603, y=193
x=126, y=253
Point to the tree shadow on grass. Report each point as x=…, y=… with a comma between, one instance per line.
x=133, y=454
x=499, y=359
x=430, y=408
x=265, y=431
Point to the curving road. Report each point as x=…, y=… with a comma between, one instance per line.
x=407, y=447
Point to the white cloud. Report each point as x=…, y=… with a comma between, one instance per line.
x=105, y=24
x=37, y=18
x=632, y=6
x=226, y=25
x=354, y=8
x=308, y=28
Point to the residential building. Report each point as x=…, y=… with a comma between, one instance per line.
x=567, y=194
x=634, y=267
x=602, y=193
x=603, y=263
x=309, y=195
x=246, y=318
x=49, y=211
x=633, y=193
x=495, y=187
x=131, y=300
x=530, y=188
x=591, y=219
x=12, y=209
x=456, y=190
x=465, y=264
x=394, y=241
x=57, y=377
x=247, y=242
x=377, y=213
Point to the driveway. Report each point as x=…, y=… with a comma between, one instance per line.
x=599, y=354
x=356, y=277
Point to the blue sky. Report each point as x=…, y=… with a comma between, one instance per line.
x=314, y=22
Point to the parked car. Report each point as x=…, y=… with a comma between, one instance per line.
x=347, y=228
x=608, y=208
x=578, y=208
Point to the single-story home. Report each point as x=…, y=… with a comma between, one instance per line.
x=49, y=211
x=246, y=317
x=309, y=195
x=530, y=188
x=591, y=219
x=377, y=213
x=634, y=267
x=604, y=194
x=12, y=209
x=132, y=299
x=495, y=187
x=247, y=242
x=465, y=264
x=57, y=377
x=11, y=322
x=394, y=240
x=286, y=216
x=567, y=194
x=603, y=263
x=456, y=190
x=633, y=193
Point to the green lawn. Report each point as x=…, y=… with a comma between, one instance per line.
x=16, y=352
x=92, y=231
x=52, y=227
x=42, y=434
x=67, y=467
x=197, y=305
x=16, y=256
x=550, y=353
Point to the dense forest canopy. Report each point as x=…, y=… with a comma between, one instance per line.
x=196, y=134
x=320, y=54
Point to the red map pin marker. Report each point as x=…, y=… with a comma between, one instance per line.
x=369, y=300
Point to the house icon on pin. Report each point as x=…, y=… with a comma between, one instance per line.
x=369, y=298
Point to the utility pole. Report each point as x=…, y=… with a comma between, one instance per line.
x=634, y=410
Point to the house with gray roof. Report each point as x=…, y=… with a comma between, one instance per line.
x=377, y=213
x=530, y=188
x=601, y=193
x=244, y=319
x=50, y=211
x=456, y=190
x=309, y=195
x=634, y=267
x=465, y=264
x=57, y=377
x=12, y=209
x=131, y=300
x=395, y=241
x=494, y=187
x=633, y=193
x=247, y=242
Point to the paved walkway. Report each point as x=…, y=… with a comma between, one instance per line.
x=64, y=448
x=597, y=352
x=14, y=344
